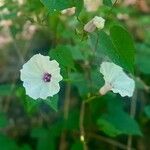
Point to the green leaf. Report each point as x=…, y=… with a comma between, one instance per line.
x=58, y=5
x=30, y=104
x=96, y=79
x=5, y=89
x=108, y=128
x=45, y=140
x=142, y=58
x=79, y=81
x=78, y=145
x=79, y=5
x=147, y=111
x=108, y=3
x=81, y=51
x=72, y=123
x=53, y=102
x=53, y=5
x=63, y=55
x=76, y=52
x=7, y=143
x=9, y=16
x=115, y=121
x=25, y=147
x=104, y=47
x=3, y=120
x=39, y=132
x=124, y=45
x=118, y=47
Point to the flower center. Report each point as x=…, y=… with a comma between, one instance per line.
x=47, y=77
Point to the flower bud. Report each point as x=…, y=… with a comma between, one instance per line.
x=96, y=22
x=90, y=27
x=99, y=22
x=69, y=11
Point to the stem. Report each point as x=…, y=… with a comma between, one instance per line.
x=67, y=101
x=132, y=114
x=110, y=11
x=91, y=98
x=62, y=145
x=81, y=124
x=113, y=6
x=108, y=140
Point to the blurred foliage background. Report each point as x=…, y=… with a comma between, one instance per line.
x=110, y=122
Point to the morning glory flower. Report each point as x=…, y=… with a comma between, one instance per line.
x=41, y=77
x=116, y=80
x=96, y=22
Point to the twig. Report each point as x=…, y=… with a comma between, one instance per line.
x=132, y=114
x=108, y=140
x=92, y=98
x=81, y=124
x=116, y=1
x=146, y=87
x=67, y=101
x=114, y=4
x=62, y=145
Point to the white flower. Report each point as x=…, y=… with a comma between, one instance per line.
x=116, y=80
x=96, y=22
x=69, y=11
x=99, y=22
x=41, y=77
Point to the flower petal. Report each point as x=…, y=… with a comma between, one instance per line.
x=54, y=88
x=33, y=90
x=52, y=66
x=124, y=85
x=109, y=71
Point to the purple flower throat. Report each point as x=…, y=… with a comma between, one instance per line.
x=47, y=77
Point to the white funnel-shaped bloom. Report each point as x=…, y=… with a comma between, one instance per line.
x=116, y=80
x=41, y=77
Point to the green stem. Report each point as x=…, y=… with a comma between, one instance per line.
x=92, y=98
